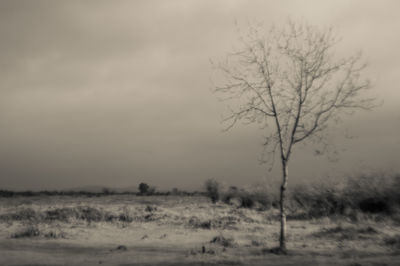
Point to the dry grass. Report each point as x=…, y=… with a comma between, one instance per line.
x=158, y=230
x=350, y=232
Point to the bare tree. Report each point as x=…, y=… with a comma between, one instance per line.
x=290, y=82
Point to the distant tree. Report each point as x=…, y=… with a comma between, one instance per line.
x=106, y=191
x=212, y=188
x=290, y=82
x=175, y=191
x=144, y=188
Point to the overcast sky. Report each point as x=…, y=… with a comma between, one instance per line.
x=112, y=93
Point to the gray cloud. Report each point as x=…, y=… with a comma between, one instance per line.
x=113, y=93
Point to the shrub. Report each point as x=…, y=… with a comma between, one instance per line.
x=393, y=241
x=30, y=231
x=195, y=222
x=395, y=188
x=212, y=189
x=123, y=217
x=223, y=241
x=248, y=198
x=374, y=205
x=318, y=201
x=372, y=193
x=150, y=208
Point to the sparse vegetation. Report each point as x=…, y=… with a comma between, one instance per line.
x=187, y=224
x=67, y=214
x=342, y=215
x=105, y=191
x=372, y=194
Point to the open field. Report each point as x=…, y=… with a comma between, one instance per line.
x=177, y=230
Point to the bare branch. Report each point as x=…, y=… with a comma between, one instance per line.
x=292, y=79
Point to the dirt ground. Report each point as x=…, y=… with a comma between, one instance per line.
x=173, y=230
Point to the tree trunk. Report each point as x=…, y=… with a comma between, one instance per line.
x=282, y=239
